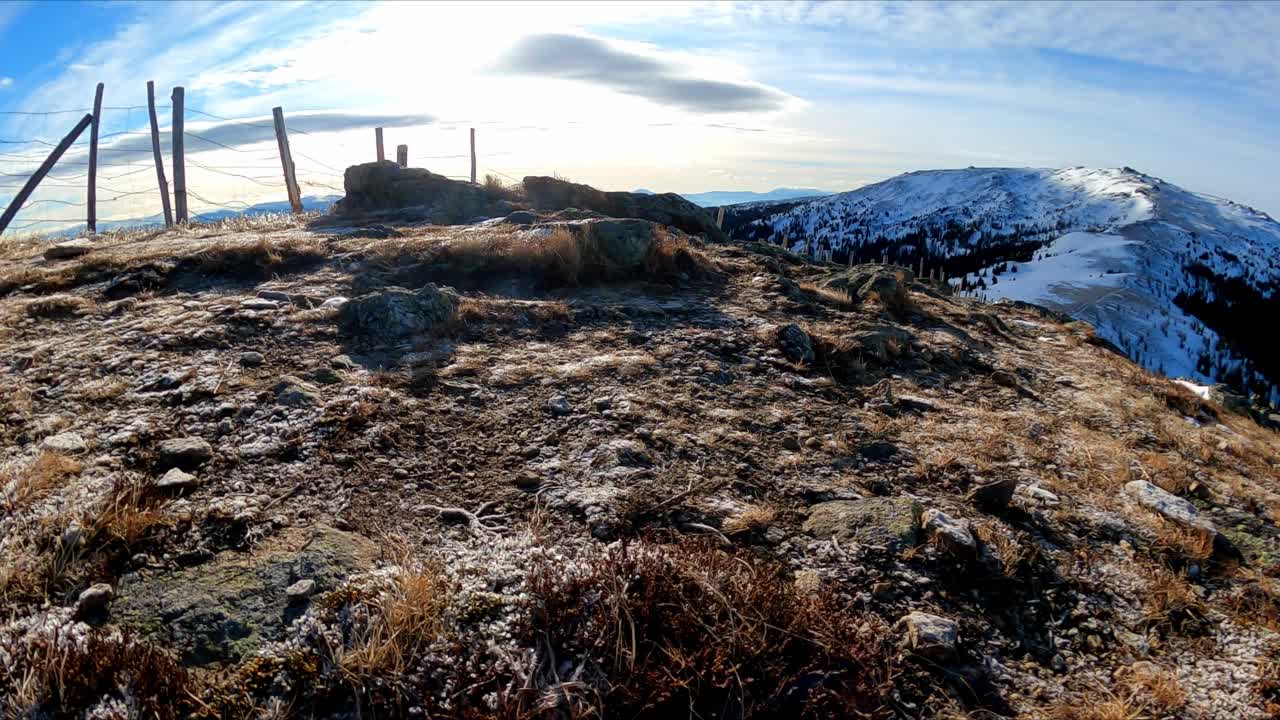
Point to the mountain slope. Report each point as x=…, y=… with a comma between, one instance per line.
x=1181, y=281
x=716, y=198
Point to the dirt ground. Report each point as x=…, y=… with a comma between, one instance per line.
x=545, y=427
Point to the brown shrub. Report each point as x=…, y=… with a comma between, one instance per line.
x=237, y=258
x=58, y=306
x=46, y=472
x=661, y=631
x=56, y=673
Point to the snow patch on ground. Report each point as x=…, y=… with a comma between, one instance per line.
x=1075, y=262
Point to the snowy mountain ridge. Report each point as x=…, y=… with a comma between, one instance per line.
x=1183, y=282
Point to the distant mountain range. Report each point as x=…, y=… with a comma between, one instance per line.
x=1185, y=283
x=716, y=198
x=309, y=202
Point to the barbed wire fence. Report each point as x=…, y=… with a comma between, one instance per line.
x=251, y=174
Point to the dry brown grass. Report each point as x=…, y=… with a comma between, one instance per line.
x=46, y=472
x=1171, y=604
x=834, y=296
x=103, y=390
x=401, y=622
x=751, y=518
x=691, y=630
x=226, y=257
x=1142, y=692
x=59, y=306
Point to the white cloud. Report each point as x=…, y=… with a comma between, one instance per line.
x=5, y=82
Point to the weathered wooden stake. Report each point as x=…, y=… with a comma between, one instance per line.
x=377, y=134
x=41, y=171
x=720, y=218
x=473, y=156
x=402, y=155
x=91, y=204
x=286, y=161
x=155, y=151
x=179, y=160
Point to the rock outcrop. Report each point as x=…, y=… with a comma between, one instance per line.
x=385, y=186
x=546, y=193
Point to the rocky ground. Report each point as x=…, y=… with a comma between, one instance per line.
x=580, y=468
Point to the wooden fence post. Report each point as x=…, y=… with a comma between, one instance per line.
x=402, y=155
x=179, y=160
x=43, y=170
x=377, y=134
x=286, y=161
x=720, y=218
x=91, y=221
x=473, y=156
x=155, y=151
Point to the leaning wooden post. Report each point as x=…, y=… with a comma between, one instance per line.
x=402, y=155
x=155, y=151
x=720, y=218
x=286, y=161
x=473, y=156
x=91, y=221
x=377, y=135
x=43, y=170
x=179, y=160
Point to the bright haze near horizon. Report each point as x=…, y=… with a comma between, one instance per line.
x=670, y=96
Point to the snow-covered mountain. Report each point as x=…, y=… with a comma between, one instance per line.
x=716, y=198
x=1186, y=283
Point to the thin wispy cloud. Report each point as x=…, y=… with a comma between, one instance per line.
x=591, y=60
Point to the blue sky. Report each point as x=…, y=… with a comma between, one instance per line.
x=670, y=96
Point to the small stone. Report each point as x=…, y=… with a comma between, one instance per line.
x=952, y=534
x=343, y=362
x=276, y=295
x=94, y=602
x=1167, y=504
x=796, y=345
x=882, y=521
x=67, y=443
x=301, y=590
x=251, y=359
x=930, y=636
x=292, y=392
x=993, y=495
x=791, y=442
x=1035, y=492
x=187, y=453
x=878, y=450
x=324, y=376
x=559, y=405
x=259, y=304
x=334, y=303
x=176, y=479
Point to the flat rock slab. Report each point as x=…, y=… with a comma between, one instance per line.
x=69, y=249
x=187, y=453
x=887, y=521
x=1167, y=504
x=931, y=636
x=225, y=609
x=67, y=443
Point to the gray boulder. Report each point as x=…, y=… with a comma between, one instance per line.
x=930, y=636
x=887, y=283
x=796, y=344
x=392, y=313
x=223, y=610
x=187, y=453
x=292, y=392
x=892, y=522
x=1167, y=504
x=67, y=443
x=951, y=534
